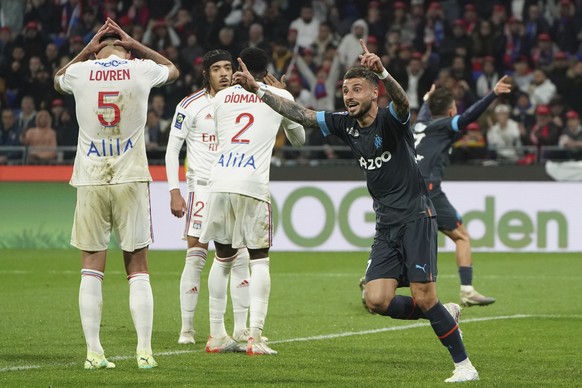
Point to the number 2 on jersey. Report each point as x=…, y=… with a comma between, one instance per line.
x=108, y=104
x=243, y=117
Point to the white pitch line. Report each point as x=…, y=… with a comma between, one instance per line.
x=315, y=338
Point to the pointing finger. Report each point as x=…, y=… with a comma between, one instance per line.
x=242, y=65
x=364, y=47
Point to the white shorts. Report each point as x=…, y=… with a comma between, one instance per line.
x=238, y=220
x=196, y=211
x=124, y=207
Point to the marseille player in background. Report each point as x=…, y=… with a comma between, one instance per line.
x=112, y=177
x=436, y=128
x=405, y=245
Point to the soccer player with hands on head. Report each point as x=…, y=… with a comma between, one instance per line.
x=404, y=251
x=111, y=175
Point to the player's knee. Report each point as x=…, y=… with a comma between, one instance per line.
x=378, y=302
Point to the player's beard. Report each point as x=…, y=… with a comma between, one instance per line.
x=363, y=111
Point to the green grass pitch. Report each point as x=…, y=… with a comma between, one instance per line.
x=532, y=335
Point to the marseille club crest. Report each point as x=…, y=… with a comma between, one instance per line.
x=377, y=141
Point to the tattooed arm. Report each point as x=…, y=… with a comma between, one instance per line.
x=287, y=108
x=395, y=92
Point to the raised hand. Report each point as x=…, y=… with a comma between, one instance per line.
x=127, y=42
x=271, y=80
x=93, y=47
x=370, y=60
x=244, y=78
x=503, y=86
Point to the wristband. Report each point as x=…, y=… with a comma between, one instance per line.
x=383, y=74
x=261, y=91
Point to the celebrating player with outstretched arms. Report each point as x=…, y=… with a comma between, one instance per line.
x=405, y=245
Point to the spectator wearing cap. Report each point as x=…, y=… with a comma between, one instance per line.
x=306, y=25
x=503, y=137
x=376, y=20
x=541, y=89
x=565, y=28
x=56, y=109
x=349, y=49
x=542, y=54
x=45, y=12
x=571, y=138
x=544, y=132
x=32, y=40
x=488, y=78
x=471, y=145
x=159, y=34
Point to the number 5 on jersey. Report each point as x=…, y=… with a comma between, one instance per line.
x=247, y=119
x=106, y=101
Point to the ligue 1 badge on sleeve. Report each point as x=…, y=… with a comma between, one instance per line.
x=179, y=120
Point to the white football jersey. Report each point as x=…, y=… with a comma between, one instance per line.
x=111, y=98
x=246, y=129
x=194, y=122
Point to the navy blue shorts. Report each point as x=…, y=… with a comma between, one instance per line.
x=448, y=218
x=406, y=252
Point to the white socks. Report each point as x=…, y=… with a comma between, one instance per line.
x=260, y=289
x=141, y=305
x=90, y=307
x=239, y=289
x=190, y=285
x=217, y=284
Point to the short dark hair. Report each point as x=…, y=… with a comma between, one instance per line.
x=110, y=36
x=256, y=61
x=362, y=72
x=440, y=101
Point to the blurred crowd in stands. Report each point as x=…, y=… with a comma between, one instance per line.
x=463, y=45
